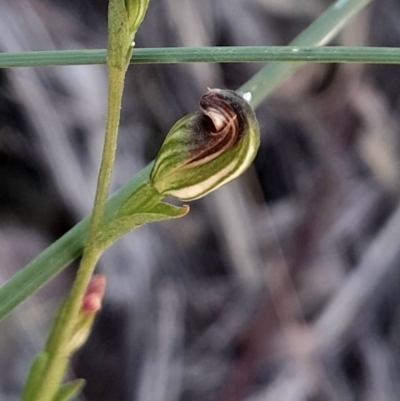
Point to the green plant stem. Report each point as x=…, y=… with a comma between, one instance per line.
x=60, y=351
x=116, y=87
x=239, y=54
x=319, y=33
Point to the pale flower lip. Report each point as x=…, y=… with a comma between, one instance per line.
x=207, y=149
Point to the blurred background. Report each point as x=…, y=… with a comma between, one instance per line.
x=283, y=285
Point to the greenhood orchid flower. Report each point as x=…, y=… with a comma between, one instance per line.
x=207, y=149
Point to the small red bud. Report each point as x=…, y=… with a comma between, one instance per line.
x=94, y=295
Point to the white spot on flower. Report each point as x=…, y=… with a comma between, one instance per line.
x=247, y=96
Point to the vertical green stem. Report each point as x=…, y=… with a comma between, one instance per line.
x=123, y=20
x=116, y=86
x=62, y=331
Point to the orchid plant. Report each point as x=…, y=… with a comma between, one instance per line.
x=201, y=152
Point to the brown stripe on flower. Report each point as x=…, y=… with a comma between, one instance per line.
x=217, y=131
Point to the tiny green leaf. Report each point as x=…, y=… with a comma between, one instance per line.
x=120, y=226
x=67, y=391
x=136, y=10
x=207, y=149
x=35, y=375
x=81, y=331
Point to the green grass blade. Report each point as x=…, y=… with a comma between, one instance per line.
x=264, y=54
x=52, y=58
x=239, y=54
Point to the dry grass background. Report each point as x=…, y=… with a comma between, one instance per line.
x=283, y=285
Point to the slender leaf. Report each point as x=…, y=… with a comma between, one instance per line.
x=238, y=54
